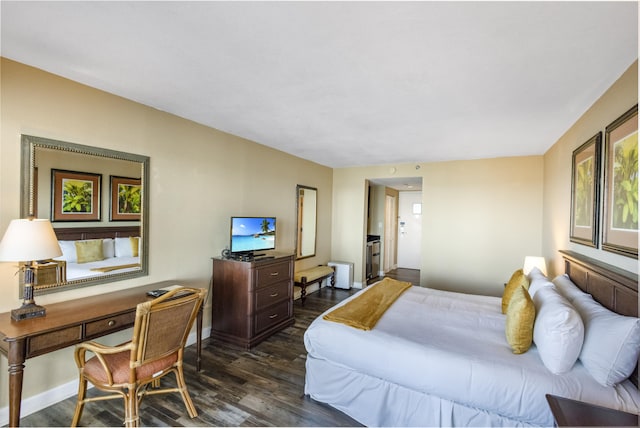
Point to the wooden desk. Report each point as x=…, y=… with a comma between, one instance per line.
x=68, y=323
x=572, y=413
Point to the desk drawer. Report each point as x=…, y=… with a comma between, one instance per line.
x=106, y=325
x=46, y=342
x=273, y=294
x=272, y=273
x=273, y=316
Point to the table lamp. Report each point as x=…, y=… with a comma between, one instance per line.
x=534, y=261
x=28, y=240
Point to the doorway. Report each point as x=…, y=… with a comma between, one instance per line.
x=409, y=229
x=383, y=218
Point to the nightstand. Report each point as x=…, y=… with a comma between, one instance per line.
x=572, y=413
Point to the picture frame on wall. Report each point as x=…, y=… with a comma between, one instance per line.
x=126, y=198
x=75, y=196
x=620, y=225
x=585, y=192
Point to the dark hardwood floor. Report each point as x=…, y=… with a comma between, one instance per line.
x=261, y=387
x=401, y=274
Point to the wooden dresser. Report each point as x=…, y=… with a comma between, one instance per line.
x=251, y=300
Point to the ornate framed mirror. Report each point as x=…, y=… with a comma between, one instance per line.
x=306, y=203
x=89, y=194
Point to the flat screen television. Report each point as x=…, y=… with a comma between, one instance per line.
x=252, y=234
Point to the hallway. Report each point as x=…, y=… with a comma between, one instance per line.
x=401, y=274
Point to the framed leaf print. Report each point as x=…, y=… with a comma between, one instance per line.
x=620, y=227
x=75, y=196
x=126, y=198
x=585, y=187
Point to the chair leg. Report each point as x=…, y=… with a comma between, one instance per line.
x=182, y=386
x=82, y=389
x=131, y=408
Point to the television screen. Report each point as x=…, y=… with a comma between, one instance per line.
x=252, y=234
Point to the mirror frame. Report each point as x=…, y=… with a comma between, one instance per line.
x=29, y=145
x=299, y=216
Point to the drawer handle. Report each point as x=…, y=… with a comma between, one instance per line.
x=274, y=295
x=274, y=273
x=273, y=316
x=111, y=323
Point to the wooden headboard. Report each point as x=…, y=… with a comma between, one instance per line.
x=614, y=288
x=80, y=233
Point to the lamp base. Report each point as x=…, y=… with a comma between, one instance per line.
x=28, y=311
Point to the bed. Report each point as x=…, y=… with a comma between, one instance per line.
x=439, y=358
x=120, y=250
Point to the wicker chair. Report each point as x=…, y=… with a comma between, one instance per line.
x=156, y=349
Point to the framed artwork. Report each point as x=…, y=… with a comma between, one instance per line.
x=126, y=198
x=585, y=189
x=75, y=196
x=620, y=226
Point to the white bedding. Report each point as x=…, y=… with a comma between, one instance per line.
x=441, y=358
x=83, y=270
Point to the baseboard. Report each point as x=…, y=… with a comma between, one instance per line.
x=62, y=392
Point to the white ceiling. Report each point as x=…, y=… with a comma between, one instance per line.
x=344, y=83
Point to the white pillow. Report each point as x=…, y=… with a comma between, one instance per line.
x=558, y=331
x=123, y=247
x=611, y=341
x=69, y=253
x=567, y=288
x=108, y=248
x=537, y=280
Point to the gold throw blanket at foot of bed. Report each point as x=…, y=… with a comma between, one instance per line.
x=364, y=311
x=111, y=268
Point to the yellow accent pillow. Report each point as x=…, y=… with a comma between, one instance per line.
x=521, y=315
x=89, y=251
x=134, y=245
x=517, y=279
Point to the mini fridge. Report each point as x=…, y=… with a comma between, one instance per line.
x=344, y=274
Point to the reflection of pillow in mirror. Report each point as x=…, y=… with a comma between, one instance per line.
x=68, y=251
x=135, y=245
x=123, y=247
x=89, y=251
x=108, y=248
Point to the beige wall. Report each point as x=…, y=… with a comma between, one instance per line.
x=480, y=219
x=199, y=178
x=619, y=98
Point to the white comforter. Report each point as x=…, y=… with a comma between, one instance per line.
x=83, y=270
x=453, y=346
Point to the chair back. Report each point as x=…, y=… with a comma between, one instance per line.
x=162, y=325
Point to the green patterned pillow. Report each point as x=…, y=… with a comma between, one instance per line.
x=517, y=279
x=89, y=251
x=521, y=314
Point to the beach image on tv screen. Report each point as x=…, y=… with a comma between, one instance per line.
x=253, y=233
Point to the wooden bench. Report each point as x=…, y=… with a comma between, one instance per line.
x=311, y=276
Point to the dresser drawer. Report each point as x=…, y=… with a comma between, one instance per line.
x=273, y=294
x=107, y=325
x=272, y=316
x=272, y=273
x=43, y=343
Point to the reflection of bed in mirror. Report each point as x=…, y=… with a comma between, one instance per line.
x=96, y=251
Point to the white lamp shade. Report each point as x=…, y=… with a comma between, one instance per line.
x=27, y=240
x=533, y=261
